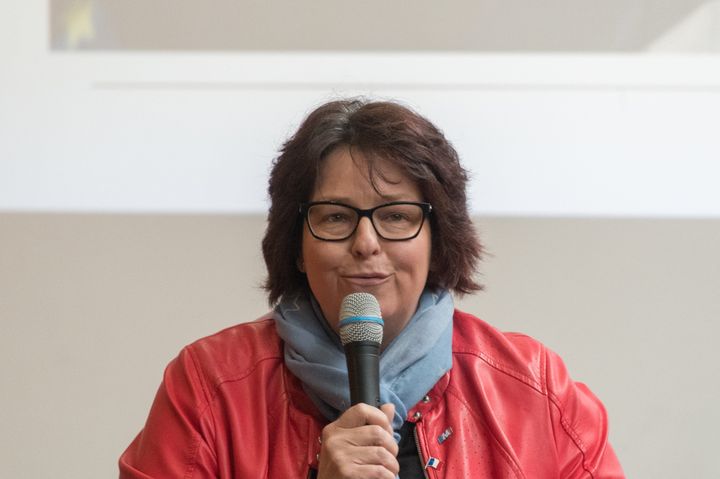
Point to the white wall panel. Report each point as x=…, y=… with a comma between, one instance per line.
x=627, y=135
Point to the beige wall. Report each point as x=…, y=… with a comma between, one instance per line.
x=92, y=307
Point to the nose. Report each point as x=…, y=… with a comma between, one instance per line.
x=365, y=241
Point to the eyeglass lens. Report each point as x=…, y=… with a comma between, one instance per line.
x=401, y=221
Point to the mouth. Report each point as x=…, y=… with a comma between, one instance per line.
x=370, y=279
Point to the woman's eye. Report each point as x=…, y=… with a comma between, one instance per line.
x=336, y=218
x=395, y=217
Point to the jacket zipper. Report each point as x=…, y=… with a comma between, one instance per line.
x=419, y=451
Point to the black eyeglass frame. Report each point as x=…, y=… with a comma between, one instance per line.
x=367, y=213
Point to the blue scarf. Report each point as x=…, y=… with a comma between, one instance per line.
x=409, y=366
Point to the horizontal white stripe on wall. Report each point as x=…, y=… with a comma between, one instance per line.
x=629, y=135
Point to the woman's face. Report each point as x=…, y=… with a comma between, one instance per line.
x=393, y=271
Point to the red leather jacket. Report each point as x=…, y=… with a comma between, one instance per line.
x=229, y=408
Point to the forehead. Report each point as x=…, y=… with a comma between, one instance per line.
x=347, y=170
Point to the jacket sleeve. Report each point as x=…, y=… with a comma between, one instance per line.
x=581, y=426
x=176, y=439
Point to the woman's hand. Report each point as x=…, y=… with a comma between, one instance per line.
x=360, y=445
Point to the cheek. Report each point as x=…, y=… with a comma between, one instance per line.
x=320, y=261
x=423, y=251
x=316, y=257
x=415, y=262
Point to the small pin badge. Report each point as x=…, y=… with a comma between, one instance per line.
x=433, y=462
x=446, y=434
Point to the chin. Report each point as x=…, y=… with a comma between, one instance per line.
x=395, y=316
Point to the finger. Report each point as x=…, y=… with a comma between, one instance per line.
x=376, y=456
x=357, y=463
x=361, y=415
x=364, y=436
x=371, y=455
x=389, y=410
x=370, y=471
x=373, y=435
x=378, y=472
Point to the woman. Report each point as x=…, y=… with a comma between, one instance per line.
x=370, y=197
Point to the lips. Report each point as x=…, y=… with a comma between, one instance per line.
x=366, y=279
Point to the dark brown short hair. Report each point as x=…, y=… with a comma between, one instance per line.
x=383, y=130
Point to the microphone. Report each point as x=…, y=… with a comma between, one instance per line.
x=361, y=333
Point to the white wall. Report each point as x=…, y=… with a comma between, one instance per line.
x=627, y=135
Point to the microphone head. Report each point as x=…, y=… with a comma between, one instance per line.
x=360, y=319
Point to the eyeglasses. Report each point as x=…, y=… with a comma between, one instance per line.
x=396, y=221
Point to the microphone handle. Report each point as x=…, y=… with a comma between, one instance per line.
x=363, y=372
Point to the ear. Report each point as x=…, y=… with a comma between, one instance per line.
x=300, y=264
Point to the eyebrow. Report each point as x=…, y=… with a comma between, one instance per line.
x=346, y=200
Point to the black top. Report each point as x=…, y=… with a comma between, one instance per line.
x=408, y=455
